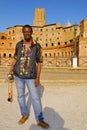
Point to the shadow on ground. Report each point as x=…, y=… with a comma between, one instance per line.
x=53, y=119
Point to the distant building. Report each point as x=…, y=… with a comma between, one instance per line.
x=57, y=41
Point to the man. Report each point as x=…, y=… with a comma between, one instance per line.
x=26, y=67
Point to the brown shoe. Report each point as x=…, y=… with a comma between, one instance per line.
x=43, y=124
x=23, y=119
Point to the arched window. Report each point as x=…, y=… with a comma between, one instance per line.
x=52, y=44
x=65, y=43
x=62, y=54
x=13, y=38
x=10, y=55
x=65, y=53
x=13, y=31
x=41, y=30
x=68, y=53
x=71, y=53
x=54, y=54
x=3, y=37
x=58, y=54
x=9, y=32
x=50, y=54
x=45, y=54
x=58, y=43
x=4, y=55
x=46, y=44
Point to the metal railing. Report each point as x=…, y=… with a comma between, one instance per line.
x=51, y=61
x=57, y=62
x=5, y=61
x=82, y=61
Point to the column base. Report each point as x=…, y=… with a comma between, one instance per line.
x=75, y=63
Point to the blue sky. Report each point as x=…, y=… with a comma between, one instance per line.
x=20, y=12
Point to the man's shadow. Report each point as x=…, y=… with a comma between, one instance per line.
x=55, y=121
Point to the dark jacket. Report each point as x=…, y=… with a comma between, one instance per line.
x=34, y=58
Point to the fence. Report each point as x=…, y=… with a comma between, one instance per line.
x=57, y=62
x=51, y=61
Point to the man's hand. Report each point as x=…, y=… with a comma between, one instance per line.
x=37, y=81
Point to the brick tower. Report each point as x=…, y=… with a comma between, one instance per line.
x=39, y=17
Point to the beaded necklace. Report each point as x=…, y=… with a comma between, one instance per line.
x=25, y=57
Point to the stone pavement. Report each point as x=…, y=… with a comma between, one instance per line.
x=64, y=102
x=64, y=108
x=55, y=75
x=64, y=77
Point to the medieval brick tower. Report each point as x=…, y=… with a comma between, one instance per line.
x=39, y=18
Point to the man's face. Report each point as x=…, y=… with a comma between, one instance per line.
x=27, y=33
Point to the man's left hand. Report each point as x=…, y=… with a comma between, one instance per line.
x=37, y=82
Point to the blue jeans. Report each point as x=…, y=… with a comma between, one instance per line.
x=34, y=97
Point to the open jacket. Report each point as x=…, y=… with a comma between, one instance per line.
x=35, y=57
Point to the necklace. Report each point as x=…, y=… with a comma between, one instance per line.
x=25, y=57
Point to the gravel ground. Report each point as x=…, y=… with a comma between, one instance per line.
x=64, y=108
